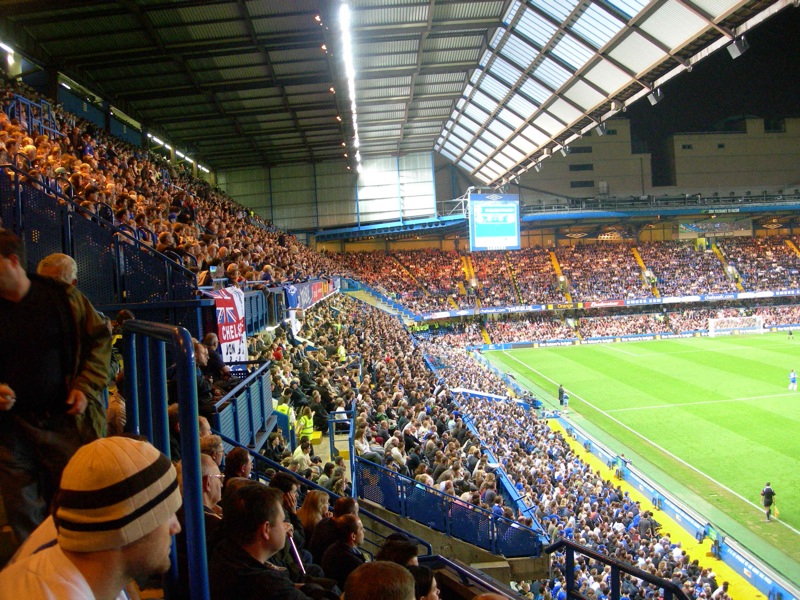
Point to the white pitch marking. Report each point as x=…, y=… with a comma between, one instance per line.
x=664, y=450
x=613, y=347
x=699, y=403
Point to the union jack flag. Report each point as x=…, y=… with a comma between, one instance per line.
x=226, y=315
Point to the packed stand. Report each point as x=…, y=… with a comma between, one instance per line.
x=162, y=205
x=602, y=272
x=764, y=263
x=535, y=276
x=532, y=328
x=492, y=271
x=624, y=325
x=440, y=272
x=681, y=270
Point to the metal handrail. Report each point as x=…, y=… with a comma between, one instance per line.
x=671, y=590
x=147, y=415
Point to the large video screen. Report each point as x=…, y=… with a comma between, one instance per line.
x=493, y=222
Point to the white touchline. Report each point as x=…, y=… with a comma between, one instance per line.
x=664, y=450
x=613, y=347
x=613, y=410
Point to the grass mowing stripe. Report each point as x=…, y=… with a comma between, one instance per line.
x=703, y=381
x=652, y=443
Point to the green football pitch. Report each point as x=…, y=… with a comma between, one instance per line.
x=714, y=415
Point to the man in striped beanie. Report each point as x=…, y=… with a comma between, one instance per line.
x=115, y=515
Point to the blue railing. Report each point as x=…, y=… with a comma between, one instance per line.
x=244, y=414
x=570, y=549
x=113, y=267
x=444, y=513
x=36, y=116
x=145, y=351
x=261, y=464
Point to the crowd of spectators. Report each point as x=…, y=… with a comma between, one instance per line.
x=535, y=276
x=494, y=277
x=763, y=263
x=682, y=270
x=624, y=325
x=161, y=204
x=533, y=328
x=602, y=271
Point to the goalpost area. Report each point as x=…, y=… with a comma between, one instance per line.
x=710, y=420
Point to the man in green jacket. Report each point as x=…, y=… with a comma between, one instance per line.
x=54, y=360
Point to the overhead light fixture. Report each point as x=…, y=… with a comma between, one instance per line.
x=537, y=167
x=65, y=85
x=564, y=150
x=6, y=47
x=739, y=46
x=617, y=105
x=600, y=129
x=655, y=96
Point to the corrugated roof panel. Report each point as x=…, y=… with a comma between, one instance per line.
x=597, y=26
x=548, y=124
x=512, y=153
x=271, y=7
x=560, y=9
x=216, y=31
x=453, y=89
x=535, y=91
x=491, y=139
x=494, y=88
x=512, y=118
x=607, y=76
x=384, y=15
x=466, y=55
x=231, y=74
x=500, y=129
x=179, y=15
x=572, y=52
x=380, y=108
x=466, y=10
x=311, y=69
x=637, y=53
x=469, y=124
x=97, y=44
x=519, y=51
x=549, y=72
x=453, y=42
x=506, y=162
x=384, y=115
x=629, y=7
x=448, y=155
x=523, y=107
x=533, y=134
x=505, y=71
x=476, y=113
x=407, y=59
x=441, y=104
x=461, y=133
x=511, y=12
x=379, y=82
x=485, y=102
x=584, y=95
x=482, y=146
x=536, y=29
x=716, y=8
x=386, y=47
x=282, y=24
x=384, y=92
x=673, y=24
x=564, y=111
x=524, y=145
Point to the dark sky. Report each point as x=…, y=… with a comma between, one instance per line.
x=764, y=81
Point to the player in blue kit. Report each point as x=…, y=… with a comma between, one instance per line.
x=793, y=380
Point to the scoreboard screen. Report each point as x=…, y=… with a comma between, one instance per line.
x=494, y=222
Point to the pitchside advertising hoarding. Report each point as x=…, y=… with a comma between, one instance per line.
x=493, y=222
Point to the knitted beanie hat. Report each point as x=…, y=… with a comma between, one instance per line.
x=114, y=491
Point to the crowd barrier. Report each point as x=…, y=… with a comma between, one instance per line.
x=728, y=550
x=444, y=513
x=244, y=414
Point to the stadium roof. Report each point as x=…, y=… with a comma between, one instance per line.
x=493, y=85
